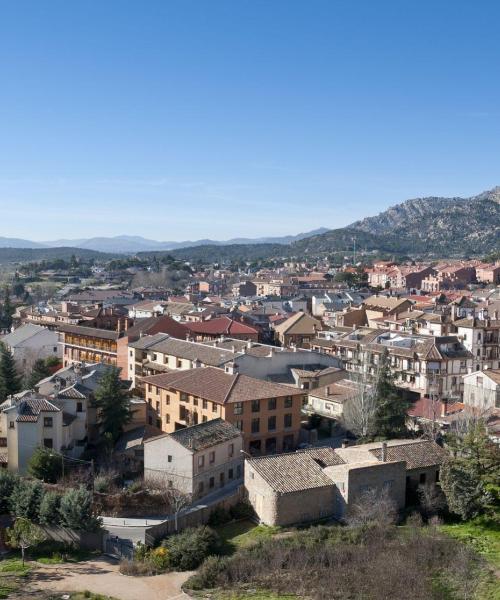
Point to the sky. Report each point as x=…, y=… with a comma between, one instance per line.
x=190, y=119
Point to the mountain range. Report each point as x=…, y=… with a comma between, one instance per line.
x=431, y=226
x=129, y=244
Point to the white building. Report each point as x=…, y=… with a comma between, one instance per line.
x=30, y=342
x=196, y=460
x=482, y=389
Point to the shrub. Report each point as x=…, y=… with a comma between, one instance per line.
x=207, y=576
x=219, y=516
x=135, y=568
x=49, y=509
x=101, y=484
x=8, y=481
x=77, y=511
x=45, y=465
x=26, y=498
x=159, y=559
x=242, y=510
x=188, y=549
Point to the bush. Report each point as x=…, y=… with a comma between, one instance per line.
x=7, y=483
x=101, y=484
x=242, y=510
x=219, y=516
x=76, y=511
x=187, y=550
x=208, y=574
x=135, y=568
x=45, y=465
x=26, y=498
x=159, y=559
x=49, y=509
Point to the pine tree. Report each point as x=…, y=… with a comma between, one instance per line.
x=391, y=413
x=113, y=403
x=10, y=382
x=39, y=371
x=8, y=310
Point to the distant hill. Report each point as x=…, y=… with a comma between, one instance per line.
x=6, y=242
x=221, y=253
x=14, y=255
x=131, y=244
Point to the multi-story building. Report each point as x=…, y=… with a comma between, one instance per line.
x=267, y=414
x=30, y=342
x=196, y=460
x=425, y=365
x=482, y=390
x=88, y=344
x=481, y=336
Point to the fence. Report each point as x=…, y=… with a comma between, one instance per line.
x=196, y=515
x=82, y=539
x=118, y=547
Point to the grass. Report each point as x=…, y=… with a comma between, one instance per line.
x=52, y=553
x=239, y=534
x=252, y=595
x=482, y=535
x=83, y=596
x=12, y=572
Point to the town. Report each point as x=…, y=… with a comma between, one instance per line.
x=147, y=397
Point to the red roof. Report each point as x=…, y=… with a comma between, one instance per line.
x=221, y=326
x=162, y=324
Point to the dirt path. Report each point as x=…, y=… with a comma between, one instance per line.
x=102, y=576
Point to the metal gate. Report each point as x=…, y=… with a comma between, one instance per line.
x=119, y=547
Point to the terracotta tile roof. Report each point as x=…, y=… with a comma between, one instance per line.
x=299, y=323
x=293, y=472
x=153, y=325
x=30, y=407
x=208, y=355
x=89, y=331
x=417, y=455
x=325, y=457
x=217, y=386
x=205, y=435
x=221, y=326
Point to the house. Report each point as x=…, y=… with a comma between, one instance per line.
x=29, y=421
x=383, y=306
x=481, y=336
x=145, y=309
x=328, y=400
x=196, y=460
x=297, y=330
x=268, y=414
x=317, y=483
x=482, y=389
x=88, y=344
x=222, y=326
x=31, y=342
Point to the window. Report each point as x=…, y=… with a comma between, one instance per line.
x=271, y=446
x=205, y=404
x=230, y=450
x=155, y=357
x=239, y=425
x=211, y=457
x=195, y=401
x=48, y=443
x=288, y=443
x=167, y=399
x=11, y=425
x=150, y=387
x=271, y=404
x=47, y=422
x=422, y=478
x=204, y=419
x=287, y=420
x=169, y=458
x=230, y=474
x=179, y=363
x=214, y=407
x=238, y=471
x=167, y=418
x=170, y=483
x=211, y=482
x=288, y=402
x=437, y=476
x=131, y=353
x=3, y=442
x=158, y=407
x=200, y=487
x=271, y=423
x=238, y=408
x=79, y=407
x=255, y=425
x=201, y=461
x=184, y=397
x=255, y=405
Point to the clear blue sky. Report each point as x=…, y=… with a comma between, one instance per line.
x=187, y=119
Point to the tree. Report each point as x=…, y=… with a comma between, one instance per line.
x=49, y=509
x=24, y=534
x=76, y=510
x=113, y=403
x=8, y=310
x=8, y=481
x=46, y=465
x=39, y=371
x=373, y=507
x=359, y=411
x=391, y=415
x=470, y=478
x=10, y=382
x=26, y=498
x=175, y=500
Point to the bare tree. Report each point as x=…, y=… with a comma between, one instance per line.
x=360, y=409
x=173, y=498
x=373, y=507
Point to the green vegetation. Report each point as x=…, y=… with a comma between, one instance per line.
x=10, y=382
x=113, y=403
x=12, y=576
x=23, y=535
x=481, y=534
x=241, y=534
x=83, y=596
x=46, y=465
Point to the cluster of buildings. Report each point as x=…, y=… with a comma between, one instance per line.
x=232, y=371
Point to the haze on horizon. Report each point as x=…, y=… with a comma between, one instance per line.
x=181, y=120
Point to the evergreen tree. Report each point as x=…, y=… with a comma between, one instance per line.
x=470, y=478
x=10, y=382
x=77, y=512
x=113, y=403
x=26, y=498
x=40, y=371
x=49, y=509
x=391, y=413
x=44, y=464
x=8, y=310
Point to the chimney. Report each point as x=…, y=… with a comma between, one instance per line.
x=384, y=451
x=345, y=443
